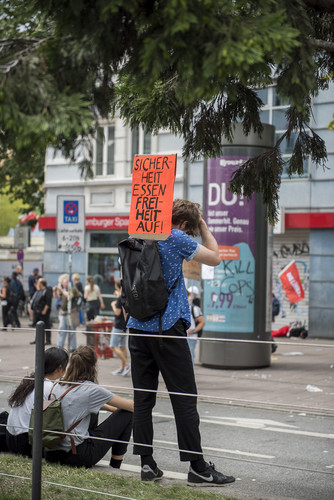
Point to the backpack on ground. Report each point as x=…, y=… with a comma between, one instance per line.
x=53, y=421
x=144, y=292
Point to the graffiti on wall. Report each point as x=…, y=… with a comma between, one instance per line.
x=284, y=251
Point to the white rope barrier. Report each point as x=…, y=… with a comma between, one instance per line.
x=199, y=339
x=200, y=397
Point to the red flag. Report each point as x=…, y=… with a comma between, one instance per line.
x=291, y=283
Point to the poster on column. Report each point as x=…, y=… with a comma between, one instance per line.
x=152, y=196
x=229, y=296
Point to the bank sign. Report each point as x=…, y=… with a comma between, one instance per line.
x=229, y=297
x=70, y=223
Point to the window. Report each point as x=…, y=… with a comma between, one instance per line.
x=273, y=112
x=103, y=263
x=105, y=269
x=105, y=150
x=102, y=198
x=128, y=197
x=106, y=240
x=140, y=143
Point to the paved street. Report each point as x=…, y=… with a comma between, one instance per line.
x=272, y=428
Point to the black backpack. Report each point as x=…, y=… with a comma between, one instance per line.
x=144, y=292
x=12, y=298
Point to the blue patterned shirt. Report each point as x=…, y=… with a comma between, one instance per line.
x=173, y=251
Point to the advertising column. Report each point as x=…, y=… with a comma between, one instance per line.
x=236, y=302
x=229, y=297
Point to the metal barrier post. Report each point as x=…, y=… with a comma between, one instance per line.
x=38, y=412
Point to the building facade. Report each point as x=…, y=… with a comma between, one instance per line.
x=305, y=233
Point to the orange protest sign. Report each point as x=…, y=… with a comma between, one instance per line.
x=152, y=196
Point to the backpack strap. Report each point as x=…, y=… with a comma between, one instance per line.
x=73, y=447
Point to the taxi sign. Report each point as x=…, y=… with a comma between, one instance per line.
x=70, y=223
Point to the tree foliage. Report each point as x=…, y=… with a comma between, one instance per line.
x=188, y=65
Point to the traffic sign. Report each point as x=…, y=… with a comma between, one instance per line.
x=20, y=255
x=70, y=223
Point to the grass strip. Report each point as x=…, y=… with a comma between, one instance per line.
x=20, y=489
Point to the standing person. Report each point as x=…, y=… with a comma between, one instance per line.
x=5, y=303
x=19, y=272
x=22, y=400
x=32, y=282
x=17, y=295
x=118, y=342
x=17, y=287
x=67, y=324
x=197, y=323
x=83, y=403
x=41, y=308
x=171, y=357
x=80, y=301
x=93, y=298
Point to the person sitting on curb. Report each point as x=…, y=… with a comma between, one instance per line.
x=83, y=404
x=22, y=400
x=118, y=341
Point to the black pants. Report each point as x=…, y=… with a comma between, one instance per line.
x=173, y=359
x=117, y=426
x=46, y=319
x=93, y=309
x=19, y=444
x=14, y=317
x=5, y=319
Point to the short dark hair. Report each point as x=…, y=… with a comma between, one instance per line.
x=189, y=212
x=43, y=281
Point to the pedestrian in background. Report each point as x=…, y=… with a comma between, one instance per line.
x=32, y=282
x=80, y=301
x=67, y=323
x=17, y=287
x=93, y=298
x=41, y=308
x=118, y=341
x=7, y=318
x=197, y=323
x=19, y=272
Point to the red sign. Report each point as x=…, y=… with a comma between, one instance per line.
x=291, y=283
x=91, y=222
x=107, y=222
x=152, y=196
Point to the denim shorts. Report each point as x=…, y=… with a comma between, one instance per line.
x=118, y=340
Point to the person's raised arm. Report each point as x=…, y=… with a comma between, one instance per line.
x=208, y=251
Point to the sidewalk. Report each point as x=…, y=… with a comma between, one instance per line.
x=300, y=378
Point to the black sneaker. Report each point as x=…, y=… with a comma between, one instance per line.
x=209, y=477
x=148, y=474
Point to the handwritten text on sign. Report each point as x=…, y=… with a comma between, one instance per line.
x=152, y=196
